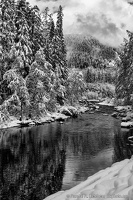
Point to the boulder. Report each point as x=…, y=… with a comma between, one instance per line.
x=130, y=139
x=127, y=124
x=69, y=111
x=123, y=114
x=60, y=119
x=73, y=111
x=65, y=111
x=115, y=114
x=126, y=119
x=122, y=109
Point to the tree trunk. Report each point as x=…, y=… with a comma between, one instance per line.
x=21, y=117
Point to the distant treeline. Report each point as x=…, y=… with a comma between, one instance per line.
x=85, y=51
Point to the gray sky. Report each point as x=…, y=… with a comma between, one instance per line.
x=107, y=20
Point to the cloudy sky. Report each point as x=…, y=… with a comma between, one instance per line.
x=107, y=20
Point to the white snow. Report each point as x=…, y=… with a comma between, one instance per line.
x=107, y=102
x=123, y=108
x=127, y=124
x=49, y=117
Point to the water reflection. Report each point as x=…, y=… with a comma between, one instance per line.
x=89, y=147
x=122, y=148
x=31, y=163
x=36, y=162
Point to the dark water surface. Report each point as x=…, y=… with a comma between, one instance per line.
x=36, y=162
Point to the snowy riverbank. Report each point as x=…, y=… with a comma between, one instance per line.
x=113, y=182
x=61, y=115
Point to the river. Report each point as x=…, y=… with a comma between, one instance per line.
x=36, y=162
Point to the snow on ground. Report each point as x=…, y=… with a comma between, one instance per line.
x=49, y=117
x=115, y=182
x=107, y=102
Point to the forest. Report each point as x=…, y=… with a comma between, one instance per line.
x=41, y=68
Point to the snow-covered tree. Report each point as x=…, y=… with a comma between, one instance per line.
x=7, y=35
x=124, y=84
x=35, y=30
x=40, y=83
x=60, y=42
x=7, y=26
x=17, y=84
x=23, y=43
x=32, y=58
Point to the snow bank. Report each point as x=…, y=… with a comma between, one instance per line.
x=63, y=113
x=107, y=102
x=113, y=182
x=12, y=122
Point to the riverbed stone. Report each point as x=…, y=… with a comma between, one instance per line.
x=126, y=119
x=127, y=124
x=69, y=111
x=115, y=114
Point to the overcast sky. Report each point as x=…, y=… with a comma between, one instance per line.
x=107, y=20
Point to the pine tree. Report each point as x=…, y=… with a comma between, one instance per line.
x=32, y=58
x=23, y=44
x=59, y=23
x=17, y=84
x=40, y=82
x=7, y=27
x=124, y=85
x=48, y=29
x=35, y=30
x=52, y=28
x=60, y=41
x=7, y=35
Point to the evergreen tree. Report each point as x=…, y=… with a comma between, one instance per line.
x=52, y=29
x=59, y=23
x=17, y=84
x=124, y=85
x=48, y=33
x=7, y=27
x=35, y=30
x=7, y=35
x=60, y=42
x=40, y=83
x=23, y=44
x=32, y=59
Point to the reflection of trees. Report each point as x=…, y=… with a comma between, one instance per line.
x=31, y=163
x=122, y=149
x=90, y=143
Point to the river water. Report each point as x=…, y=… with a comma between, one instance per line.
x=36, y=162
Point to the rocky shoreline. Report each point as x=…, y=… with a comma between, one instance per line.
x=125, y=113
